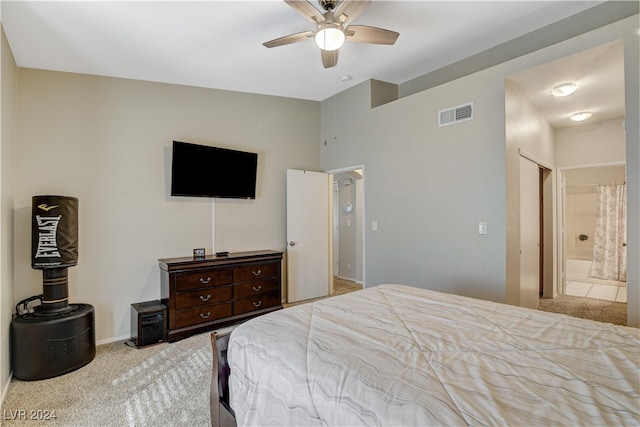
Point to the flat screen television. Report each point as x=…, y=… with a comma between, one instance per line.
x=204, y=171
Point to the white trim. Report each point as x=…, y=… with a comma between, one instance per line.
x=594, y=165
x=113, y=339
x=561, y=201
x=535, y=159
x=5, y=389
x=345, y=169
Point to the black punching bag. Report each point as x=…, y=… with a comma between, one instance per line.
x=54, y=232
x=56, y=337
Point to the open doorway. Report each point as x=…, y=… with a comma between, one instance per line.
x=595, y=232
x=538, y=120
x=348, y=229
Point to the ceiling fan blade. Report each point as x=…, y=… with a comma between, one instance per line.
x=373, y=35
x=329, y=58
x=307, y=10
x=291, y=38
x=348, y=10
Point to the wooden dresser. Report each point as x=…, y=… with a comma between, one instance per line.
x=204, y=294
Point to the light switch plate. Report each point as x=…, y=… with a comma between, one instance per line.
x=482, y=228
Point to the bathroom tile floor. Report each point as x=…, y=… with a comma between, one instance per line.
x=597, y=291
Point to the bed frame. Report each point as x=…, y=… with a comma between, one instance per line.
x=221, y=413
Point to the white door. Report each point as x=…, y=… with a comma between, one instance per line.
x=529, y=233
x=307, y=235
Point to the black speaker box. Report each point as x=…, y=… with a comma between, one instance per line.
x=148, y=323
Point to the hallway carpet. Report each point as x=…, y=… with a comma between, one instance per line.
x=587, y=308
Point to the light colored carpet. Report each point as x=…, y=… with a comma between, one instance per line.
x=160, y=385
x=587, y=308
x=343, y=286
x=340, y=286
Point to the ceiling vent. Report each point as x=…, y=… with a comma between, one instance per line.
x=458, y=114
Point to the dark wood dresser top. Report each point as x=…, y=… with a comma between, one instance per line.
x=170, y=264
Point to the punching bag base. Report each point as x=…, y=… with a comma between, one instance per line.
x=48, y=345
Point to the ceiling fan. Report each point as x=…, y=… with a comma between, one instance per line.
x=332, y=27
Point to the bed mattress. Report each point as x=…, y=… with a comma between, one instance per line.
x=400, y=355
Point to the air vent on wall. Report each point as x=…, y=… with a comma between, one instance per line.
x=458, y=114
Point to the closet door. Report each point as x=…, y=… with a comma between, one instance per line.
x=529, y=233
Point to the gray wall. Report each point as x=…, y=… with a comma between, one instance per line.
x=428, y=187
x=632, y=103
x=8, y=94
x=108, y=142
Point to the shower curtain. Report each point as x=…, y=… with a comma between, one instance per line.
x=609, y=245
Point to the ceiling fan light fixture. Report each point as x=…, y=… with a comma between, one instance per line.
x=581, y=116
x=564, y=89
x=330, y=37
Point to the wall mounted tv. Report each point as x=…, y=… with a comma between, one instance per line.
x=204, y=171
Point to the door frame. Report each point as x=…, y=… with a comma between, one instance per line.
x=332, y=172
x=562, y=217
x=548, y=225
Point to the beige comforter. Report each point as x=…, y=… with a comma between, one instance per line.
x=396, y=355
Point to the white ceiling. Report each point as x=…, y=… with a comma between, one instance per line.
x=218, y=44
x=599, y=76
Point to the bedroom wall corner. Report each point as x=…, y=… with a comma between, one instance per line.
x=8, y=96
x=632, y=126
x=108, y=142
x=525, y=128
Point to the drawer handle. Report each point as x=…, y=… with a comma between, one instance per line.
x=205, y=316
x=205, y=281
x=256, y=272
x=257, y=304
x=205, y=299
x=257, y=288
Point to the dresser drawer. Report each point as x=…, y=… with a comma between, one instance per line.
x=206, y=313
x=205, y=296
x=256, y=271
x=202, y=279
x=258, y=302
x=255, y=287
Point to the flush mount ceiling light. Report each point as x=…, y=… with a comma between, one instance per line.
x=564, y=89
x=581, y=116
x=330, y=36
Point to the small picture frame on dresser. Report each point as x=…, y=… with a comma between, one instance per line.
x=198, y=253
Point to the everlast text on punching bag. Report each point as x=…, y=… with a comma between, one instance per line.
x=54, y=232
x=55, y=337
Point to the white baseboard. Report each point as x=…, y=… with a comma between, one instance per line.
x=351, y=279
x=5, y=389
x=113, y=339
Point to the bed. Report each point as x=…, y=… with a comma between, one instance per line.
x=397, y=355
